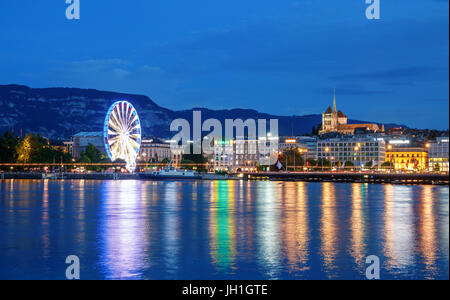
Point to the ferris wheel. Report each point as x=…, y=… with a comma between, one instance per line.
x=122, y=133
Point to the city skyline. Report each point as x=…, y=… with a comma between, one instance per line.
x=216, y=56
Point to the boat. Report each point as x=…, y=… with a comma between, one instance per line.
x=169, y=173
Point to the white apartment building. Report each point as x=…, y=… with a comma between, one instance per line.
x=358, y=151
x=242, y=155
x=438, y=155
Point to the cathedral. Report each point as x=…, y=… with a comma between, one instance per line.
x=334, y=120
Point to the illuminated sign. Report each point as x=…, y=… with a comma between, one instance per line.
x=399, y=142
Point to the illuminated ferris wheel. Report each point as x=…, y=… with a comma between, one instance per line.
x=122, y=133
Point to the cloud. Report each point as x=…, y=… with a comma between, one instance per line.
x=120, y=73
x=99, y=65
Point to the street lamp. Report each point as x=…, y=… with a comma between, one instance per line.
x=326, y=151
x=390, y=157
x=356, y=150
x=427, y=145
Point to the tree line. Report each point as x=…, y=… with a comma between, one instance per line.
x=33, y=148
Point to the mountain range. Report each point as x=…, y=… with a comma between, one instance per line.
x=62, y=112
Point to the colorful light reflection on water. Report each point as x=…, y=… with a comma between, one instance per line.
x=222, y=230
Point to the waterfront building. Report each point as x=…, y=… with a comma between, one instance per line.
x=83, y=139
x=334, y=120
x=69, y=147
x=438, y=155
x=311, y=144
x=57, y=145
x=293, y=143
x=306, y=144
x=404, y=157
x=242, y=155
x=358, y=151
x=236, y=155
x=156, y=150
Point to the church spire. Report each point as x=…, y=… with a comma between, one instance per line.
x=334, y=102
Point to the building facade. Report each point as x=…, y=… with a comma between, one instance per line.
x=69, y=147
x=155, y=150
x=243, y=155
x=234, y=156
x=358, y=151
x=294, y=144
x=438, y=155
x=83, y=139
x=403, y=158
x=311, y=144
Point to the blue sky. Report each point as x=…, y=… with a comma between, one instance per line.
x=281, y=57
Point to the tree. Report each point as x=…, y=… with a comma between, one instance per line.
x=386, y=165
x=436, y=168
x=8, y=145
x=36, y=149
x=312, y=162
x=85, y=159
x=349, y=164
x=195, y=159
x=368, y=165
x=315, y=130
x=28, y=148
x=325, y=162
x=93, y=154
x=292, y=157
x=187, y=164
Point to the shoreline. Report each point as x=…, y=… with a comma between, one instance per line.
x=374, y=178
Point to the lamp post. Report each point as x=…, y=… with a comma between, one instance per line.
x=293, y=154
x=326, y=151
x=301, y=152
x=390, y=157
x=427, y=145
x=356, y=150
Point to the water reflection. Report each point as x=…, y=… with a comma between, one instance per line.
x=399, y=227
x=171, y=227
x=357, y=223
x=329, y=228
x=45, y=222
x=442, y=214
x=427, y=230
x=79, y=213
x=123, y=236
x=222, y=230
x=267, y=228
x=295, y=226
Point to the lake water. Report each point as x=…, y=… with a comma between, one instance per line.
x=222, y=230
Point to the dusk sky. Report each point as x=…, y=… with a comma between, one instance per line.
x=279, y=57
